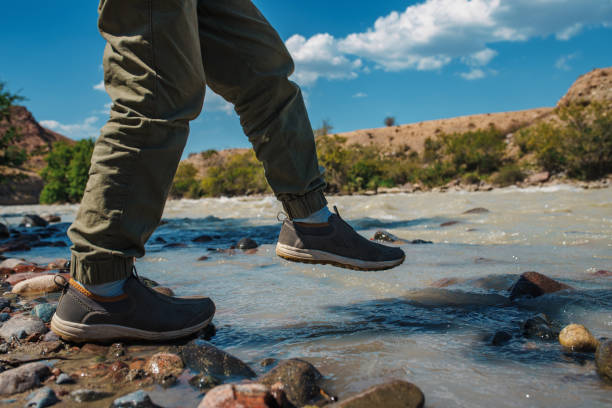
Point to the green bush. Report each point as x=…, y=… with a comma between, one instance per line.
x=10, y=155
x=241, y=174
x=66, y=172
x=508, y=175
x=481, y=150
x=185, y=183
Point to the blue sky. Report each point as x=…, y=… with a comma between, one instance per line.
x=357, y=61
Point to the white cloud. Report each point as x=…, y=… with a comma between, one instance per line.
x=432, y=33
x=563, y=62
x=87, y=128
x=475, y=73
x=360, y=95
x=319, y=57
x=215, y=103
x=99, y=86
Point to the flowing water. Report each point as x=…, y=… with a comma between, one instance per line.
x=363, y=328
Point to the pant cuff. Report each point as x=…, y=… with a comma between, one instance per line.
x=102, y=271
x=301, y=206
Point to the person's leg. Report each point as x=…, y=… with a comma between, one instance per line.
x=153, y=73
x=247, y=63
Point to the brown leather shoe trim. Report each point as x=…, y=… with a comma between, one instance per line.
x=306, y=224
x=93, y=296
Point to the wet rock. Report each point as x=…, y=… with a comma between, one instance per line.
x=539, y=327
x=576, y=337
x=449, y=223
x=38, y=284
x=204, y=382
x=202, y=238
x=386, y=236
x=419, y=242
x=602, y=272
x=435, y=297
x=33, y=220
x=164, y=290
x=94, y=349
x=538, y=178
x=299, y=379
x=394, y=394
x=51, y=218
x=4, y=317
x=500, y=338
x=4, y=231
x=42, y=398
x=58, y=264
x=22, y=326
x=44, y=311
x=64, y=378
x=202, y=258
x=534, y=284
x=246, y=243
x=11, y=263
x=164, y=364
x=51, y=336
x=86, y=395
x=603, y=360
x=477, y=210
x=201, y=356
x=267, y=362
x=46, y=347
x=116, y=350
x=19, y=277
x=23, y=378
x=175, y=245
x=251, y=395
x=138, y=399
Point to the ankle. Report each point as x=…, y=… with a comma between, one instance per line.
x=108, y=289
x=318, y=217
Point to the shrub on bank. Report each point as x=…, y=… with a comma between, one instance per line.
x=241, y=174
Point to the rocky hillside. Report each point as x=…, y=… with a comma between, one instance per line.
x=595, y=85
x=37, y=141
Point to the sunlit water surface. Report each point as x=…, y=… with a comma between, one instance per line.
x=363, y=328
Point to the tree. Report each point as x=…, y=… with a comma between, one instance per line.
x=66, y=172
x=325, y=129
x=10, y=155
x=389, y=121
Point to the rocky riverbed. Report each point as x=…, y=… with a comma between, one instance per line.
x=466, y=321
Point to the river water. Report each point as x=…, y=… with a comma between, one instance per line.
x=364, y=328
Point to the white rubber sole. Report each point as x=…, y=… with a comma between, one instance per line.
x=321, y=257
x=78, y=333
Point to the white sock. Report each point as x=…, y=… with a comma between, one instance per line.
x=317, y=217
x=109, y=289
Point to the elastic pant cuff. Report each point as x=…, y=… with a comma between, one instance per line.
x=301, y=206
x=99, y=272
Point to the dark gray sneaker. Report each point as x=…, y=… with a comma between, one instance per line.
x=139, y=314
x=335, y=243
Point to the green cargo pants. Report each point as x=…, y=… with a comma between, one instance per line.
x=159, y=56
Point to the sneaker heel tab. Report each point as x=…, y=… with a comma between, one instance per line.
x=336, y=211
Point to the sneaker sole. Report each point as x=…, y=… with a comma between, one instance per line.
x=79, y=333
x=314, y=256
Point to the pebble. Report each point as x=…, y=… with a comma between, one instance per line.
x=64, y=378
x=534, y=284
x=23, y=378
x=576, y=337
x=86, y=395
x=299, y=379
x=201, y=356
x=44, y=311
x=51, y=336
x=43, y=397
x=33, y=220
x=251, y=395
x=22, y=326
x=246, y=243
x=164, y=364
x=603, y=360
x=39, y=284
x=394, y=394
x=137, y=399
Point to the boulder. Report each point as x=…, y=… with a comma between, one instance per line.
x=603, y=360
x=137, y=399
x=538, y=178
x=246, y=243
x=43, y=397
x=394, y=394
x=33, y=220
x=11, y=263
x=576, y=337
x=164, y=364
x=534, y=284
x=38, y=284
x=22, y=326
x=23, y=378
x=539, y=327
x=299, y=378
x=251, y=395
x=201, y=356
